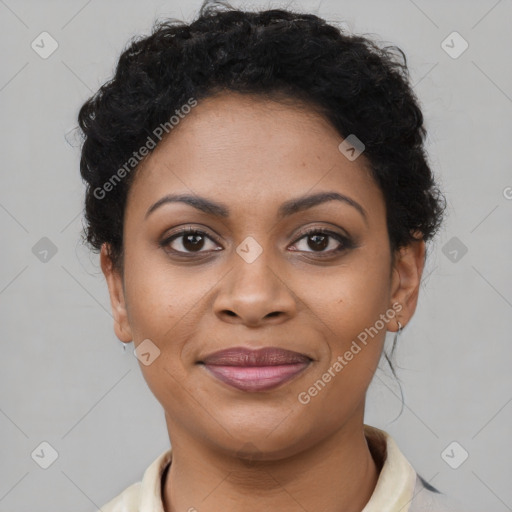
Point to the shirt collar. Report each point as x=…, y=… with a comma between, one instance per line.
x=393, y=492
x=397, y=478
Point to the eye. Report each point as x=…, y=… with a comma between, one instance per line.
x=188, y=241
x=320, y=239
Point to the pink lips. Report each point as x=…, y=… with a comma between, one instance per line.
x=255, y=370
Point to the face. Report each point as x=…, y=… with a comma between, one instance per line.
x=260, y=266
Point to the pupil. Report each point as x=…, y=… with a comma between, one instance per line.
x=193, y=241
x=320, y=242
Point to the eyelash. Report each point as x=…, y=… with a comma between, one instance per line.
x=345, y=241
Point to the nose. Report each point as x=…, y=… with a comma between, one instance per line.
x=254, y=294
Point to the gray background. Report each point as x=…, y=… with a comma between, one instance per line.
x=64, y=378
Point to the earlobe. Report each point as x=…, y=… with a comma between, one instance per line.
x=406, y=280
x=117, y=301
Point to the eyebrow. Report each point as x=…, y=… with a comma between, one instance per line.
x=285, y=210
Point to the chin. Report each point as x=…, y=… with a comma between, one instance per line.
x=273, y=436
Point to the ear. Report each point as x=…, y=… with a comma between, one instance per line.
x=117, y=301
x=406, y=279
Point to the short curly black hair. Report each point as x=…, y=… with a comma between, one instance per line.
x=358, y=86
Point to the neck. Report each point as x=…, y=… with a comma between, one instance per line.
x=337, y=474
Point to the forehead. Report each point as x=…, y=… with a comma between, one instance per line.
x=257, y=150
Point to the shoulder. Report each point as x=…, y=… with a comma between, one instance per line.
x=145, y=495
x=428, y=499
x=399, y=486
x=127, y=501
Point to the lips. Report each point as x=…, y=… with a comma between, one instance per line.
x=255, y=370
x=267, y=356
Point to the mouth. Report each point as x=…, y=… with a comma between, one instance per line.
x=255, y=370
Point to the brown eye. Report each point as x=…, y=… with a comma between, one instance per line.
x=193, y=242
x=318, y=240
x=188, y=241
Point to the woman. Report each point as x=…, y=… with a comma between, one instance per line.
x=259, y=193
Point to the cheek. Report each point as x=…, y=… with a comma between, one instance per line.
x=158, y=295
x=350, y=305
x=167, y=382
x=348, y=298
x=163, y=306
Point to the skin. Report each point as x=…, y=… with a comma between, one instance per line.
x=253, y=451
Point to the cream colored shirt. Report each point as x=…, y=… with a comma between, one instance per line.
x=398, y=489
